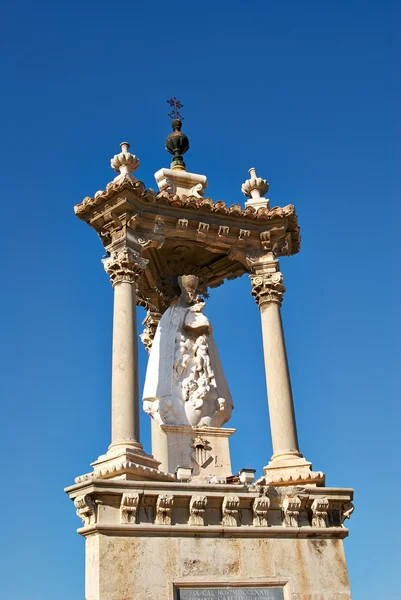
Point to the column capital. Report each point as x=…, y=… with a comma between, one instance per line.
x=267, y=282
x=151, y=322
x=125, y=264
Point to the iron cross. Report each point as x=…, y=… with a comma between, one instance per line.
x=176, y=105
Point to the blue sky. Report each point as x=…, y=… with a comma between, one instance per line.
x=309, y=94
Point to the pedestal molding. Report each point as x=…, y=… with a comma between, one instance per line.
x=216, y=531
x=146, y=506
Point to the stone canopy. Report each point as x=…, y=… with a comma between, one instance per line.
x=178, y=234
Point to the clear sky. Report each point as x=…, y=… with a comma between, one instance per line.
x=308, y=93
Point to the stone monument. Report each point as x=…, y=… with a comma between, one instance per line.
x=177, y=524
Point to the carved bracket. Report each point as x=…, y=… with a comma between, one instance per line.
x=182, y=224
x=86, y=509
x=140, y=241
x=197, y=190
x=159, y=224
x=197, y=507
x=346, y=511
x=223, y=231
x=320, y=506
x=260, y=510
x=164, y=506
x=291, y=509
x=243, y=235
x=202, y=231
x=129, y=507
x=231, y=512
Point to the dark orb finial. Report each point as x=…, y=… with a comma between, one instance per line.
x=177, y=143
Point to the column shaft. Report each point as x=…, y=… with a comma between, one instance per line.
x=125, y=388
x=287, y=466
x=280, y=401
x=125, y=454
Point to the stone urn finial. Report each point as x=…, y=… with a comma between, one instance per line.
x=125, y=162
x=255, y=188
x=177, y=144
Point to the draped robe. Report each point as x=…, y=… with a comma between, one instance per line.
x=185, y=383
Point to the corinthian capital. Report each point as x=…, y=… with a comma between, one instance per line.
x=124, y=265
x=268, y=287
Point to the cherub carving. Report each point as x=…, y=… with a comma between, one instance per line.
x=202, y=358
x=183, y=355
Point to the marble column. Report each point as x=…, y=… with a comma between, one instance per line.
x=124, y=267
x=287, y=463
x=268, y=290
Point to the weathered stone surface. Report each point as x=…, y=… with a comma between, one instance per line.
x=205, y=533
x=317, y=566
x=146, y=567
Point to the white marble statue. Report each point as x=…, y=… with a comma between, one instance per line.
x=185, y=383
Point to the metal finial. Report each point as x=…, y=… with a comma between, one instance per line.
x=177, y=142
x=176, y=105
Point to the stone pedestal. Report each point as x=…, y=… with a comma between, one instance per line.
x=205, y=449
x=181, y=182
x=150, y=539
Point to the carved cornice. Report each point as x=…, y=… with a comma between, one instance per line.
x=318, y=511
x=268, y=287
x=88, y=204
x=209, y=239
x=124, y=265
x=125, y=182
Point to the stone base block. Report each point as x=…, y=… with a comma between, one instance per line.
x=205, y=449
x=155, y=567
x=291, y=470
x=146, y=539
x=126, y=462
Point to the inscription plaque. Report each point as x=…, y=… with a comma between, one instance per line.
x=227, y=593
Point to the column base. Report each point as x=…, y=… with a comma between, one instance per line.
x=133, y=450
x=126, y=462
x=291, y=469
